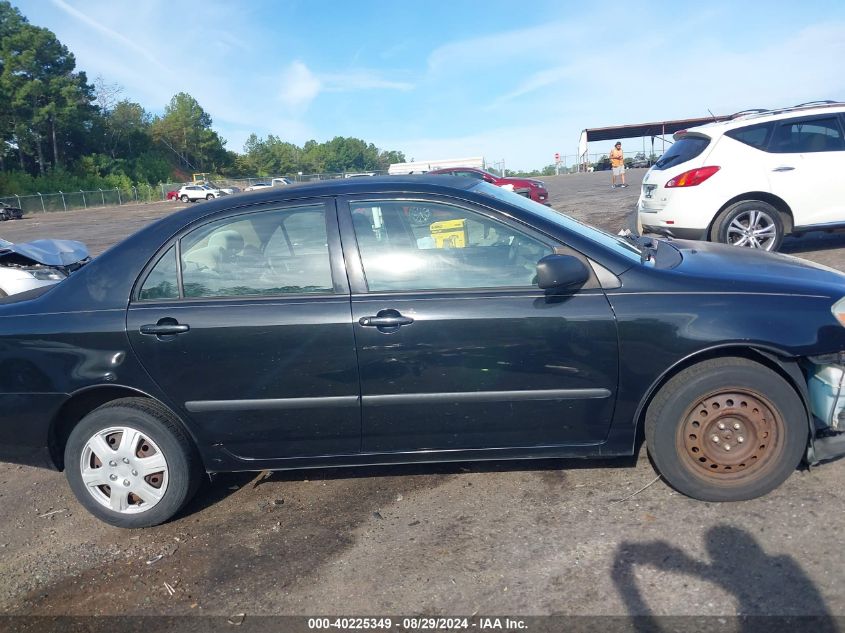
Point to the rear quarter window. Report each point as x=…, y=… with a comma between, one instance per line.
x=684, y=149
x=756, y=136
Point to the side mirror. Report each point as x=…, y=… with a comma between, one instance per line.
x=488, y=178
x=561, y=271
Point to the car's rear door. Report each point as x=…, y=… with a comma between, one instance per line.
x=806, y=159
x=245, y=323
x=457, y=346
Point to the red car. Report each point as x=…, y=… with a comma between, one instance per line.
x=172, y=195
x=534, y=189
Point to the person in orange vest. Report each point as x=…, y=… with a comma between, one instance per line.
x=617, y=165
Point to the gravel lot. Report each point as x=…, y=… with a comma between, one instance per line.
x=551, y=537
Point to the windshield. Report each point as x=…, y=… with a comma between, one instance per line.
x=682, y=150
x=616, y=244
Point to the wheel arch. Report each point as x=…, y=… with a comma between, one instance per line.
x=776, y=360
x=770, y=198
x=82, y=402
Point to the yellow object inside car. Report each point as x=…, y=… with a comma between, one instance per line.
x=449, y=233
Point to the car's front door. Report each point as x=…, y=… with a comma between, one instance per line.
x=457, y=346
x=244, y=322
x=806, y=159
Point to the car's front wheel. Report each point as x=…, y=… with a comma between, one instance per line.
x=130, y=464
x=726, y=430
x=210, y=197
x=184, y=197
x=750, y=223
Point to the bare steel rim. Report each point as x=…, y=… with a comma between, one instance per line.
x=753, y=229
x=124, y=470
x=733, y=434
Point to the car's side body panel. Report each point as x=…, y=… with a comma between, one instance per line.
x=73, y=338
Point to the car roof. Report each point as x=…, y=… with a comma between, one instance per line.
x=751, y=117
x=423, y=183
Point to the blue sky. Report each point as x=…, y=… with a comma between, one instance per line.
x=448, y=79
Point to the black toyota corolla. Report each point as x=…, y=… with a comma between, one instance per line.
x=325, y=325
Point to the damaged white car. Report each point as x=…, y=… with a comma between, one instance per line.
x=29, y=265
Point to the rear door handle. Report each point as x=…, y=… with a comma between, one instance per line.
x=164, y=329
x=385, y=321
x=783, y=168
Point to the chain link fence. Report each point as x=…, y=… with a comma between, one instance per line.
x=82, y=199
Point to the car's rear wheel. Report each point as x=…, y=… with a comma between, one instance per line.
x=184, y=197
x=209, y=197
x=726, y=430
x=130, y=464
x=751, y=223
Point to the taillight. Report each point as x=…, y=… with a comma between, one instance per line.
x=692, y=177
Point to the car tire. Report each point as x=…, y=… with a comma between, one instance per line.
x=134, y=436
x=210, y=197
x=736, y=226
x=184, y=197
x=727, y=429
x=3, y=294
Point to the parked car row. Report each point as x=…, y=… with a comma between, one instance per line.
x=752, y=180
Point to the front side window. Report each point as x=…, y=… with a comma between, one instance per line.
x=430, y=246
x=808, y=136
x=268, y=253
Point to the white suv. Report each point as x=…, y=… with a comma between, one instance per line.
x=193, y=193
x=750, y=180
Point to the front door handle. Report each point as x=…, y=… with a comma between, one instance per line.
x=385, y=321
x=164, y=327
x=783, y=168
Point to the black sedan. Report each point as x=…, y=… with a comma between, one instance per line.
x=321, y=326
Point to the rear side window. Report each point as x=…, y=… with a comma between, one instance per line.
x=756, y=136
x=807, y=136
x=684, y=149
x=162, y=282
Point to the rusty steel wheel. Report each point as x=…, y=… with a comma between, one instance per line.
x=729, y=432
x=727, y=429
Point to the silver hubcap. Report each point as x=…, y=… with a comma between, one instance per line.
x=124, y=470
x=752, y=229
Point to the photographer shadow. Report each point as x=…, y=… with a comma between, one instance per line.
x=772, y=586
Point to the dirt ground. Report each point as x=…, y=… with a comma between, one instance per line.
x=550, y=537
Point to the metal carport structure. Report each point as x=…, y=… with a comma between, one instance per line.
x=638, y=130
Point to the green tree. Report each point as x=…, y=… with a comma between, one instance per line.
x=127, y=128
x=185, y=128
x=44, y=98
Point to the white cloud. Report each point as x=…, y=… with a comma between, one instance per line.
x=361, y=80
x=299, y=86
x=541, y=79
x=539, y=43
x=144, y=51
